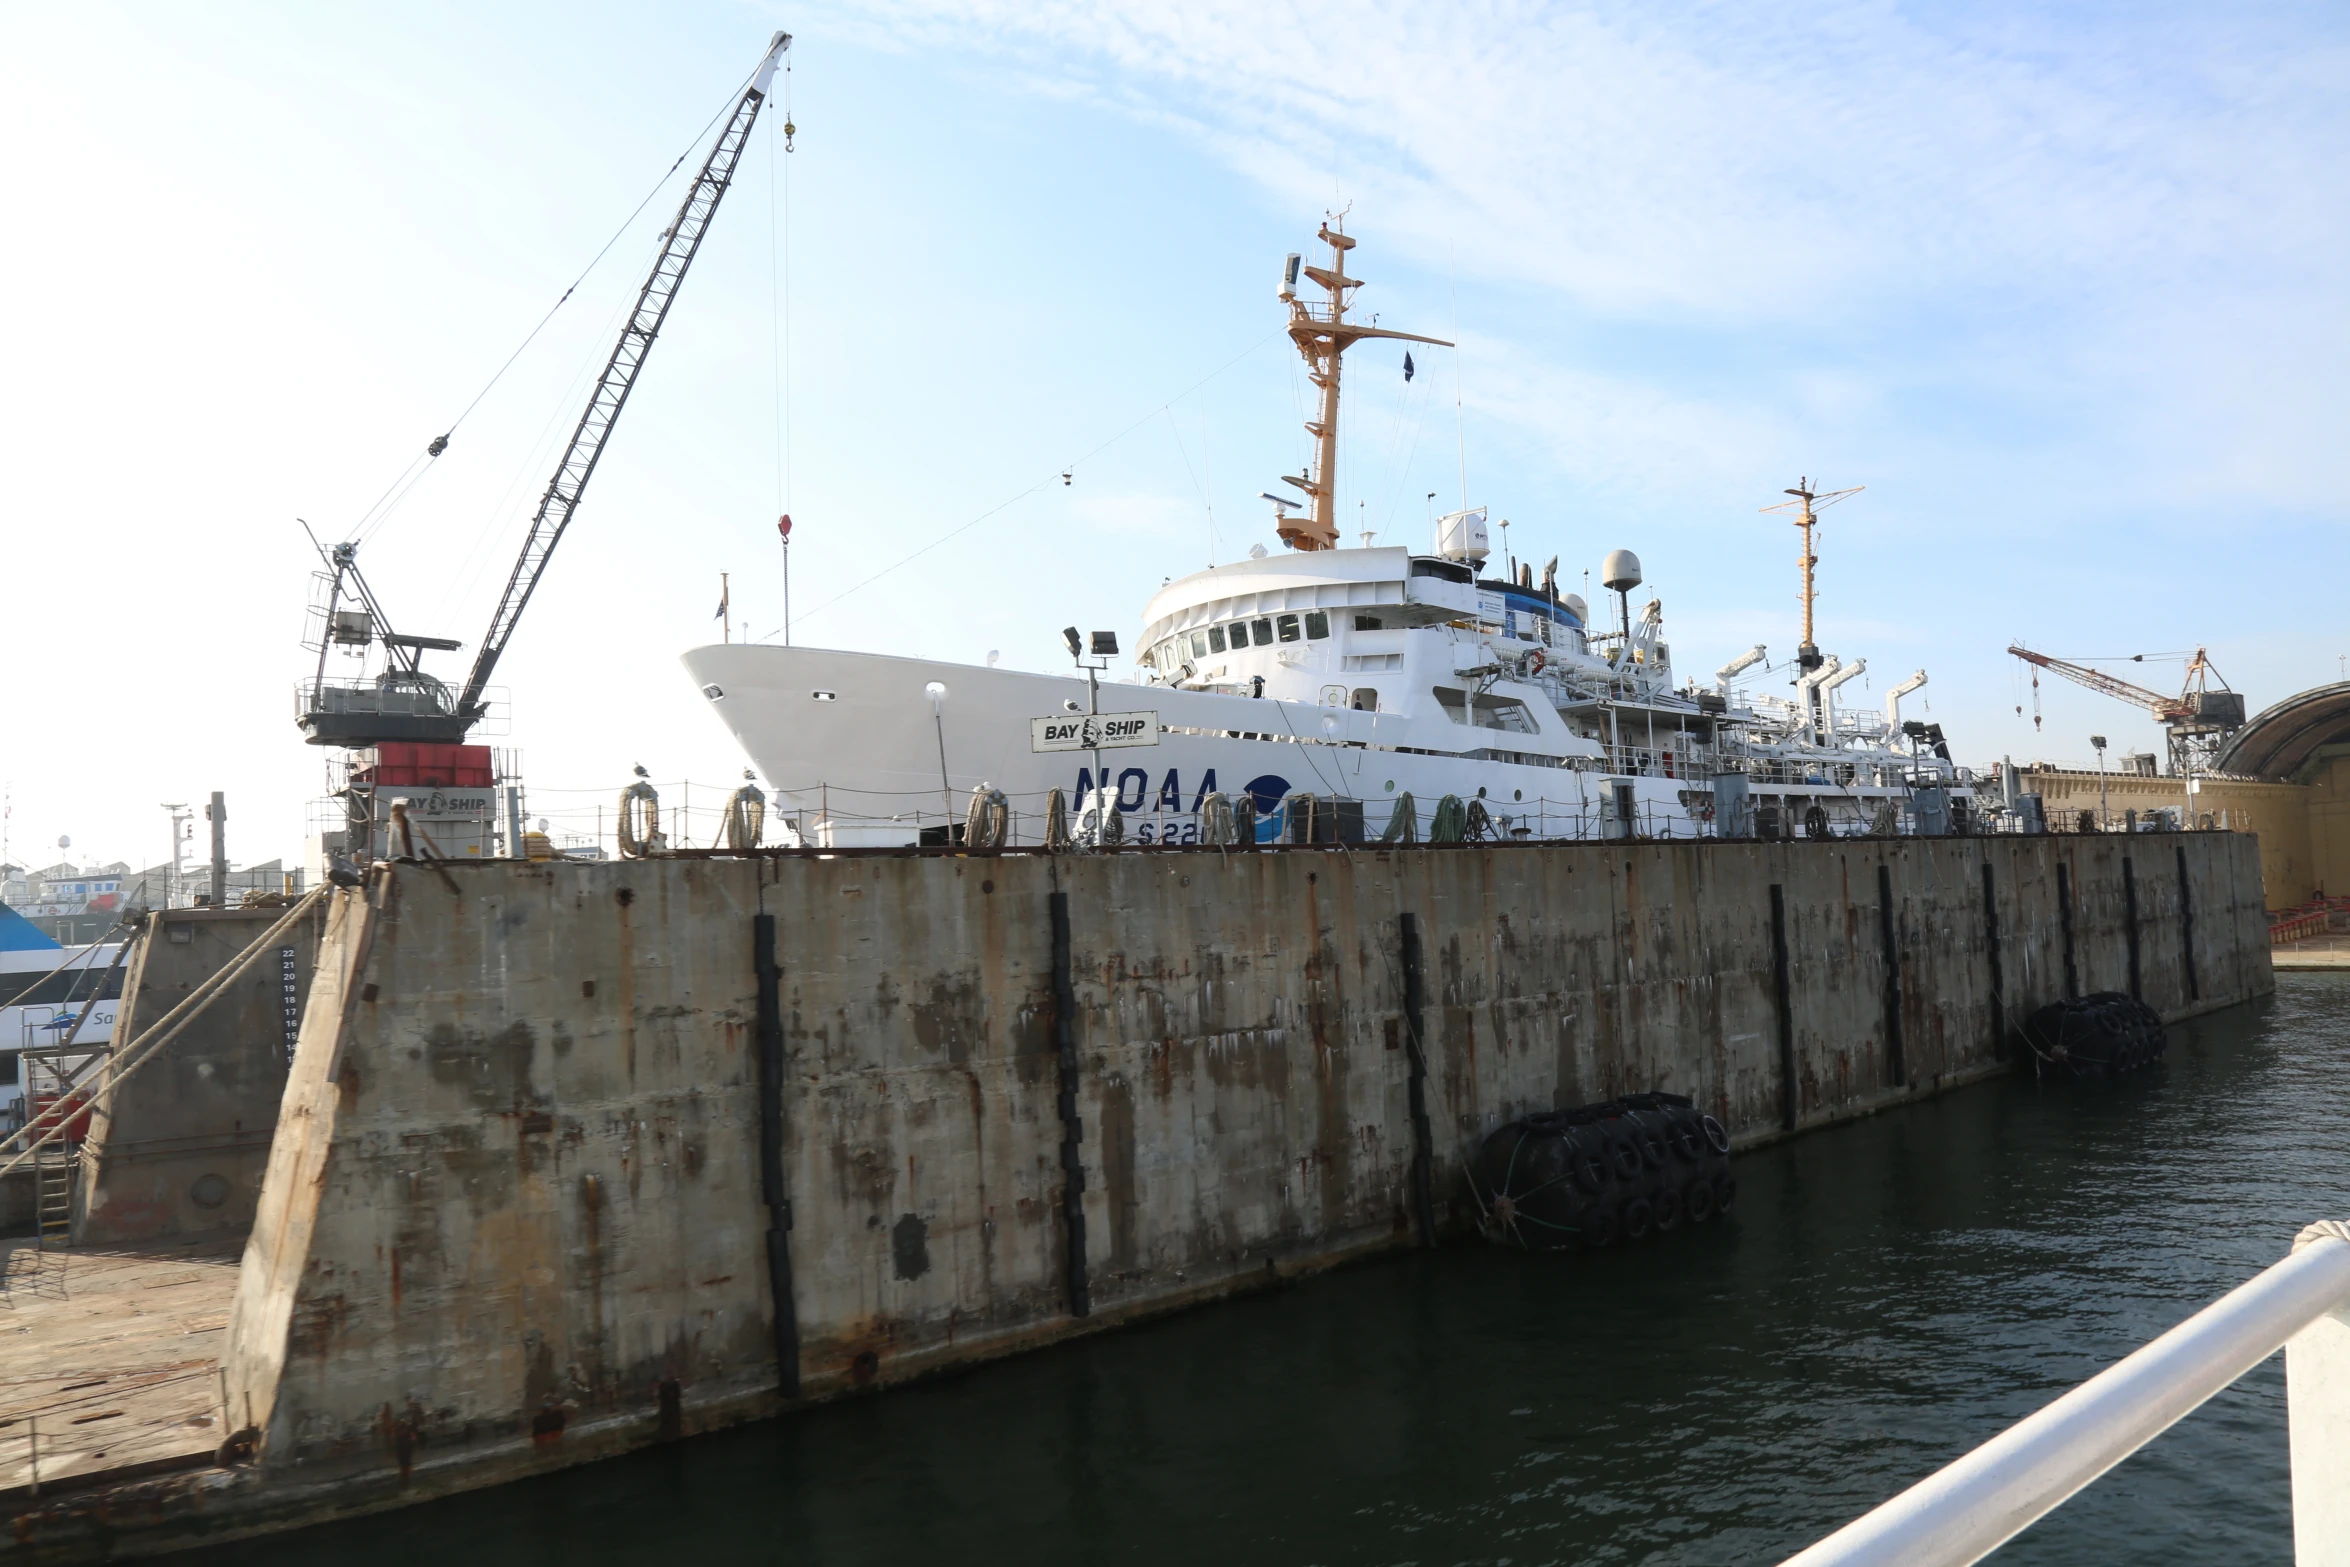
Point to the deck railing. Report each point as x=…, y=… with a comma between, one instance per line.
x=1965, y=1511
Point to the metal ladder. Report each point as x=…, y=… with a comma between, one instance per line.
x=53, y=1172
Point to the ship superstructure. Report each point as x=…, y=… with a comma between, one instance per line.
x=1350, y=688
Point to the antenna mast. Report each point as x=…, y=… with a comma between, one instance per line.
x=1322, y=334
x=1807, y=506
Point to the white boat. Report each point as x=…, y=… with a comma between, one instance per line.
x=57, y=1007
x=1324, y=687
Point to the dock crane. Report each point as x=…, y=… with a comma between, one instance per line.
x=402, y=702
x=2197, y=721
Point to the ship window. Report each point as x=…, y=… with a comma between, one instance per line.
x=1215, y=639
x=1367, y=623
x=1199, y=644
x=1317, y=626
x=1289, y=628
x=1486, y=712
x=1366, y=699
x=1240, y=634
x=1264, y=632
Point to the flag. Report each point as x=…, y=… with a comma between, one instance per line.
x=1407, y=364
x=724, y=594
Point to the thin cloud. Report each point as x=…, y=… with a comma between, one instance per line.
x=2118, y=226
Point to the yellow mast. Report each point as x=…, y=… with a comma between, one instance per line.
x=1322, y=334
x=1807, y=505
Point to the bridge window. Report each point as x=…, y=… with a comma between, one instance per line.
x=1199, y=644
x=1486, y=712
x=1289, y=628
x=1317, y=625
x=1263, y=631
x=1215, y=639
x=1240, y=634
x=1367, y=623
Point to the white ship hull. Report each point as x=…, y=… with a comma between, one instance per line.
x=852, y=738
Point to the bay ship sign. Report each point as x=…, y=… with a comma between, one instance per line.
x=1093, y=732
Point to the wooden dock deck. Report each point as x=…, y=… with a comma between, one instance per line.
x=110, y=1361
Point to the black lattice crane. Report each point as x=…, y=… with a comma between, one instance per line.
x=404, y=703
x=2196, y=721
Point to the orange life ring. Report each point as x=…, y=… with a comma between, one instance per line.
x=1534, y=662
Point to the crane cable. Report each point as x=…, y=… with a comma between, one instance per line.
x=1063, y=475
x=377, y=515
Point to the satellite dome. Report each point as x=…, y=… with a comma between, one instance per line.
x=1620, y=572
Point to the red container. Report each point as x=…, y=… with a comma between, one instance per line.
x=413, y=764
x=49, y=1110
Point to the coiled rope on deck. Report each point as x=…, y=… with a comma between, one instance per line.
x=639, y=827
x=988, y=824
x=744, y=818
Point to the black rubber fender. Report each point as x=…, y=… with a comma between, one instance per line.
x=1638, y=1219
x=1698, y=1199
x=1717, y=1136
x=1686, y=1137
x=1666, y=1206
x=1649, y=1141
x=1586, y=1166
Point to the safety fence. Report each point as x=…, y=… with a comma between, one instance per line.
x=2317, y=917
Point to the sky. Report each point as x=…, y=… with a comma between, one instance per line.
x=2060, y=285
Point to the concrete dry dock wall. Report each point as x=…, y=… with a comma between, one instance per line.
x=515, y=1214
x=181, y=1148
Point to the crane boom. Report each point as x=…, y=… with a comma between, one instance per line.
x=578, y=464
x=2163, y=707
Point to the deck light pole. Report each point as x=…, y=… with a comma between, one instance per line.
x=1093, y=658
x=946, y=791
x=2099, y=742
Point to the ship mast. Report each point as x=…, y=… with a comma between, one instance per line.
x=1807, y=506
x=1322, y=334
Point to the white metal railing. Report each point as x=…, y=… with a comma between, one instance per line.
x=1963, y=1512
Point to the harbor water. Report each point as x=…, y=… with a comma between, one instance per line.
x=1885, y=1295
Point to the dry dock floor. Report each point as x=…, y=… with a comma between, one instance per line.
x=2317, y=952
x=111, y=1358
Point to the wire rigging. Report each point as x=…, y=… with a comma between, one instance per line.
x=779, y=210
x=1060, y=474
x=377, y=515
